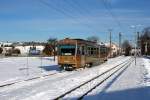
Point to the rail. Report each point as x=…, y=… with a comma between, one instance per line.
x=33, y=78
x=125, y=63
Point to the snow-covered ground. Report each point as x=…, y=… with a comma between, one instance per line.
x=20, y=68
x=50, y=87
x=126, y=84
x=147, y=67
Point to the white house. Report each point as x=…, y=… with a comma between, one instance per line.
x=5, y=46
x=137, y=51
x=1, y=44
x=114, y=49
x=18, y=45
x=25, y=49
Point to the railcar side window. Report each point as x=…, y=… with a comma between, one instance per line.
x=83, y=50
x=92, y=51
x=89, y=51
x=78, y=51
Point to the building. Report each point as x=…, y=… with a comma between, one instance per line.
x=114, y=51
x=23, y=47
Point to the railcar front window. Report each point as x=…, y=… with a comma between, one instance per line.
x=67, y=50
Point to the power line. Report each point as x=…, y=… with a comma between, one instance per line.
x=74, y=4
x=55, y=8
x=79, y=9
x=78, y=5
x=120, y=39
x=108, y=7
x=62, y=11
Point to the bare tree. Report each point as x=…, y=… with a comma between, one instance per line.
x=145, y=41
x=48, y=50
x=53, y=43
x=1, y=50
x=127, y=47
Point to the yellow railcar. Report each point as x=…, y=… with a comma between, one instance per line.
x=77, y=53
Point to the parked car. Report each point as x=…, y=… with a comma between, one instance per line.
x=34, y=52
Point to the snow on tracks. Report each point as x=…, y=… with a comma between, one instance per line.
x=14, y=69
x=52, y=87
x=147, y=74
x=83, y=89
x=59, y=87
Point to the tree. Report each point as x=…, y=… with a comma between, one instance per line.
x=53, y=43
x=16, y=51
x=93, y=38
x=1, y=50
x=8, y=52
x=145, y=41
x=48, y=50
x=127, y=47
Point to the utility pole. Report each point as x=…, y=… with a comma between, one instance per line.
x=110, y=30
x=120, y=49
x=27, y=64
x=135, y=45
x=136, y=40
x=138, y=44
x=146, y=48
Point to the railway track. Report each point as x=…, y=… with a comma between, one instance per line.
x=26, y=80
x=109, y=73
x=30, y=79
x=33, y=78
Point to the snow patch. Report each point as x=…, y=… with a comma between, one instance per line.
x=14, y=69
x=147, y=74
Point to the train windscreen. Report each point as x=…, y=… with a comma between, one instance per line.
x=67, y=50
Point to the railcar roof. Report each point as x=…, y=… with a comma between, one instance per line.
x=80, y=41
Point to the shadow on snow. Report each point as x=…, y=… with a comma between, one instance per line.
x=140, y=93
x=51, y=68
x=47, y=58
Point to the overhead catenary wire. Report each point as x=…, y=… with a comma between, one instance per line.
x=108, y=7
x=63, y=11
x=68, y=12
x=81, y=10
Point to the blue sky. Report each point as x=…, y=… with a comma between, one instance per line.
x=37, y=20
